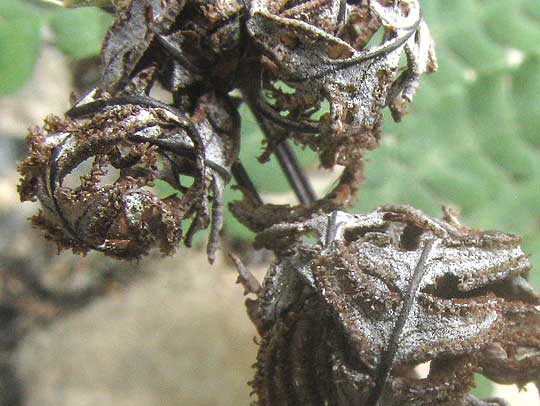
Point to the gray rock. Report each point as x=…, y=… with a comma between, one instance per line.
x=46, y=93
x=180, y=337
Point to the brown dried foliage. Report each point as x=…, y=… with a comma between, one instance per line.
x=328, y=311
x=343, y=320
x=319, y=50
x=197, y=49
x=127, y=147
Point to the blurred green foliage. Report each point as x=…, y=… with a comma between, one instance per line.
x=20, y=44
x=79, y=33
x=25, y=24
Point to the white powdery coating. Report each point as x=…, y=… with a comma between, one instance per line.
x=134, y=204
x=472, y=266
x=424, y=330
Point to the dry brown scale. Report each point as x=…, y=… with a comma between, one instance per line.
x=329, y=309
x=127, y=146
x=346, y=319
x=202, y=50
x=321, y=51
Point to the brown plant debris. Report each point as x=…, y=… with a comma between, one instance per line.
x=354, y=303
x=346, y=317
x=196, y=52
x=321, y=83
x=126, y=144
x=316, y=52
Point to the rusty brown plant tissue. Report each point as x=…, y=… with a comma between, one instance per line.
x=353, y=303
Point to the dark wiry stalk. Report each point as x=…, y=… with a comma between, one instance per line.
x=286, y=157
x=387, y=358
x=294, y=173
x=243, y=180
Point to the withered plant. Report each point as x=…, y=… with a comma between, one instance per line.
x=353, y=303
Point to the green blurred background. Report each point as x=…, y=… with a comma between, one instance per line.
x=471, y=141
